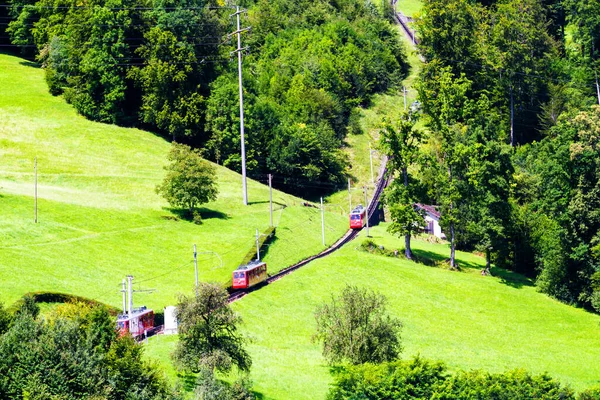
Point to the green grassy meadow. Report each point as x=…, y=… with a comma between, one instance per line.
x=99, y=217
x=467, y=320
x=409, y=7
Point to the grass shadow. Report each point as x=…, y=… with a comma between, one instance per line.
x=250, y=203
x=512, y=279
x=435, y=259
x=30, y=64
x=264, y=250
x=206, y=213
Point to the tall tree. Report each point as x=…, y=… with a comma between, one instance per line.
x=208, y=332
x=401, y=144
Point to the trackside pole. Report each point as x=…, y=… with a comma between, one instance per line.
x=367, y=206
x=349, y=196
x=322, y=222
x=35, y=190
x=271, y=197
x=196, y=268
x=257, y=247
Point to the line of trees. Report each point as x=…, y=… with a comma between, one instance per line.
x=511, y=153
x=165, y=66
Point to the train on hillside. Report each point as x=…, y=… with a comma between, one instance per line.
x=246, y=276
x=137, y=323
x=358, y=217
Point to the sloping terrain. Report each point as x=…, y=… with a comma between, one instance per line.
x=99, y=216
x=467, y=320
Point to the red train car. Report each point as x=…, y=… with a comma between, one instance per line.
x=358, y=217
x=136, y=323
x=246, y=276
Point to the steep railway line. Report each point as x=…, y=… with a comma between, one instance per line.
x=348, y=236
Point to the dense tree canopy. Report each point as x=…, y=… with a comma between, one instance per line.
x=72, y=353
x=165, y=66
x=506, y=97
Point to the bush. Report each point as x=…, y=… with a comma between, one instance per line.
x=396, y=380
x=423, y=379
x=516, y=384
x=592, y=393
x=356, y=328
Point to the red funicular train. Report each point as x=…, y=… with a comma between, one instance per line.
x=137, y=322
x=246, y=276
x=358, y=217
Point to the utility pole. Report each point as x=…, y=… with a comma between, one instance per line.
x=367, y=207
x=257, y=246
x=512, y=118
x=371, y=161
x=124, y=291
x=404, y=91
x=271, y=198
x=349, y=196
x=196, y=268
x=597, y=87
x=130, y=294
x=239, y=50
x=35, y=189
x=322, y=222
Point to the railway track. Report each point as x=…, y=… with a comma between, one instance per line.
x=348, y=236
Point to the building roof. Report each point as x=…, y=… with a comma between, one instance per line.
x=431, y=210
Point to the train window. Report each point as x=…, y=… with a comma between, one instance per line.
x=355, y=217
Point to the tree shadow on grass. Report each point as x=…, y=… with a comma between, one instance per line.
x=30, y=64
x=434, y=259
x=188, y=381
x=511, y=278
x=206, y=213
x=264, y=250
x=251, y=203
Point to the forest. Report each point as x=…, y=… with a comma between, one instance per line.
x=509, y=96
x=507, y=129
x=167, y=66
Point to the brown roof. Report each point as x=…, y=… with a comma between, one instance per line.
x=431, y=210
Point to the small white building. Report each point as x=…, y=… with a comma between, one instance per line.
x=432, y=220
x=170, y=320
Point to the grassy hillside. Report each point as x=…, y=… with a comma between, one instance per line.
x=99, y=217
x=467, y=320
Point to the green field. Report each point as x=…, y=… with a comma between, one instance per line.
x=409, y=7
x=467, y=320
x=99, y=217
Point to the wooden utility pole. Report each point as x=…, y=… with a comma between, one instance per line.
x=349, y=195
x=322, y=222
x=271, y=198
x=367, y=208
x=371, y=161
x=35, y=218
x=196, y=268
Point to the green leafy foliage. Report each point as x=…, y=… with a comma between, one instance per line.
x=208, y=333
x=165, y=67
x=401, y=145
x=74, y=353
x=190, y=180
x=422, y=379
x=356, y=328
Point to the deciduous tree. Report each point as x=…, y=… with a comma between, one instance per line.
x=356, y=328
x=190, y=180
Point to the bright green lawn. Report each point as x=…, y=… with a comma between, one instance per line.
x=465, y=319
x=409, y=7
x=99, y=217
